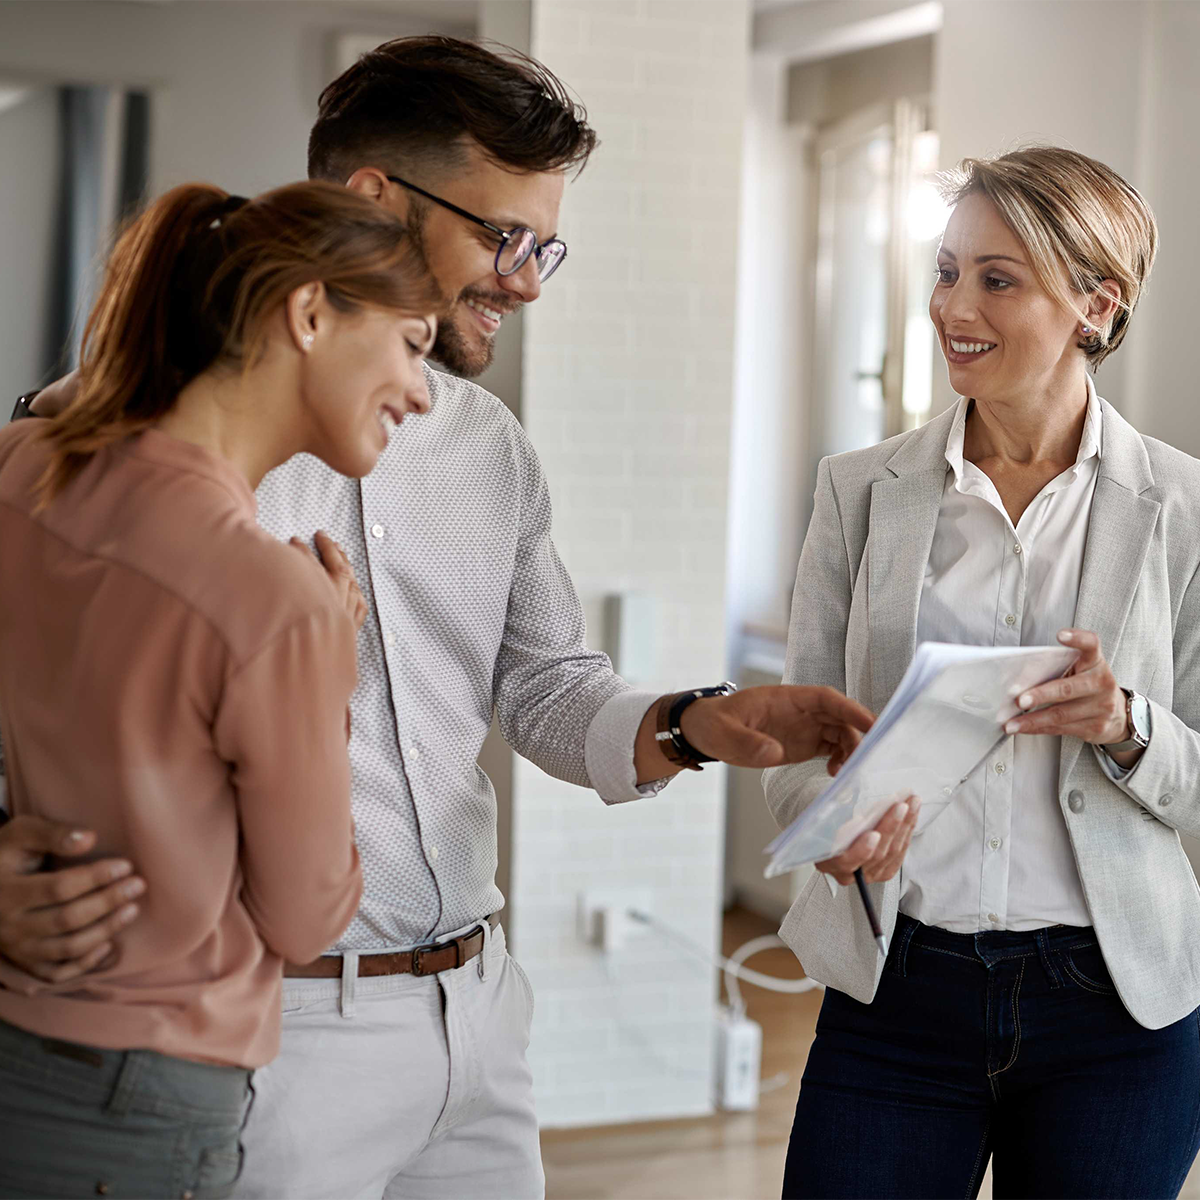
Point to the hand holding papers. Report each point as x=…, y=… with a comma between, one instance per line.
x=947, y=714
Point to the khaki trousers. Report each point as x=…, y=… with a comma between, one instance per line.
x=400, y=1088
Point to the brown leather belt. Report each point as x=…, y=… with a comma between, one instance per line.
x=424, y=960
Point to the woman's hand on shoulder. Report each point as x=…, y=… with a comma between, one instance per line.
x=341, y=574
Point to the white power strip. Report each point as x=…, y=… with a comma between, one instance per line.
x=739, y=1061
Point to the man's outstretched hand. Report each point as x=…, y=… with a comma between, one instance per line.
x=762, y=727
x=58, y=925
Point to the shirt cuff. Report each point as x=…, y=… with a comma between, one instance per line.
x=608, y=748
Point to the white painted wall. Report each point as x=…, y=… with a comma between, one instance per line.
x=628, y=395
x=770, y=426
x=29, y=150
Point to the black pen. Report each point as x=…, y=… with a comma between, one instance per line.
x=880, y=940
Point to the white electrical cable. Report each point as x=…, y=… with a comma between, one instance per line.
x=732, y=966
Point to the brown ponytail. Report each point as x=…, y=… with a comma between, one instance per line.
x=192, y=283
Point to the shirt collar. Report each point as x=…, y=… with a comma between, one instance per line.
x=1089, y=443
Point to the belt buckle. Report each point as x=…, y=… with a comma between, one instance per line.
x=417, y=965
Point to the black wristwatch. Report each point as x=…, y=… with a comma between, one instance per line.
x=675, y=747
x=22, y=408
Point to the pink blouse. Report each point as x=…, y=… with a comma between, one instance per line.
x=178, y=681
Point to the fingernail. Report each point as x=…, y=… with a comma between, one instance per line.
x=1026, y=700
x=126, y=914
x=1065, y=636
x=873, y=840
x=99, y=954
x=901, y=809
x=135, y=887
x=76, y=837
x=1013, y=727
x=119, y=870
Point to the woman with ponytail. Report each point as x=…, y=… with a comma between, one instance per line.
x=177, y=680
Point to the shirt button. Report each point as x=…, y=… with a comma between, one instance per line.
x=1075, y=802
x=995, y=920
x=995, y=843
x=1000, y=768
x=433, y=853
x=1164, y=801
x=377, y=531
x=390, y=638
x=1017, y=548
x=414, y=751
x=1010, y=619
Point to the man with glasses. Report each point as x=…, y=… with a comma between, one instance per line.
x=402, y=1069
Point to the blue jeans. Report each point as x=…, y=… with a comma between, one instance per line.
x=80, y=1121
x=1012, y=1046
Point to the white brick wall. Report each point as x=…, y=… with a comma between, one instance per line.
x=628, y=378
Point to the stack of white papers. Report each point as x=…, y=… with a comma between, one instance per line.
x=946, y=716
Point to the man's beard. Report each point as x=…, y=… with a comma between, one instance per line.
x=459, y=354
x=451, y=347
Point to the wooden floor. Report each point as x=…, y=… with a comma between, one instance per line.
x=730, y=1156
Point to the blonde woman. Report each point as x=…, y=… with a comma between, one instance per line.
x=1038, y=1006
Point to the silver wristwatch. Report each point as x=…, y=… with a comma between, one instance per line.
x=1137, y=712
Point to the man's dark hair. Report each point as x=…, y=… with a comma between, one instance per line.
x=414, y=101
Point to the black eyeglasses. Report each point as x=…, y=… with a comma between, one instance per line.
x=516, y=245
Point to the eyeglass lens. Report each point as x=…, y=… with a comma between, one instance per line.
x=520, y=245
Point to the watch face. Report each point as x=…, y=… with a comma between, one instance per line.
x=1139, y=717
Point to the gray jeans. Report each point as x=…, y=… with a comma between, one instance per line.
x=79, y=1121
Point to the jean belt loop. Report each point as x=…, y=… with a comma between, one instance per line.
x=125, y=1087
x=349, y=979
x=1042, y=937
x=902, y=944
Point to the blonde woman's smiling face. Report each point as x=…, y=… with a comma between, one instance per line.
x=1002, y=334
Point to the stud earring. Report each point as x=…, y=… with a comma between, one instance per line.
x=1087, y=330
x=306, y=341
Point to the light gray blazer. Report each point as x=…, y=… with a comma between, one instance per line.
x=853, y=627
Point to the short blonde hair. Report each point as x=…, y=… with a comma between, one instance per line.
x=1072, y=212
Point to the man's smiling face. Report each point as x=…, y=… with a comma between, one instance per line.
x=462, y=255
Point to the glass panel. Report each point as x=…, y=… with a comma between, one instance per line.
x=855, y=226
x=927, y=214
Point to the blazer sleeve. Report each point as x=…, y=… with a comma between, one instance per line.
x=816, y=652
x=282, y=728
x=1164, y=779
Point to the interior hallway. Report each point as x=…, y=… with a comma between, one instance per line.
x=728, y=1156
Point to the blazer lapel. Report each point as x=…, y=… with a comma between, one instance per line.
x=1120, y=530
x=904, y=513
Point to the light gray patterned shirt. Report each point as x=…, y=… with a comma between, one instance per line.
x=470, y=607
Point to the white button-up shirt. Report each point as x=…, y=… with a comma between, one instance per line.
x=999, y=856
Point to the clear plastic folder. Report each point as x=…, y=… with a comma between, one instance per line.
x=947, y=714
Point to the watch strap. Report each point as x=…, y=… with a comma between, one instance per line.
x=21, y=408
x=669, y=735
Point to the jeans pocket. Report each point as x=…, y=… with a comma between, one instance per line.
x=520, y=973
x=1086, y=967
x=219, y=1169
